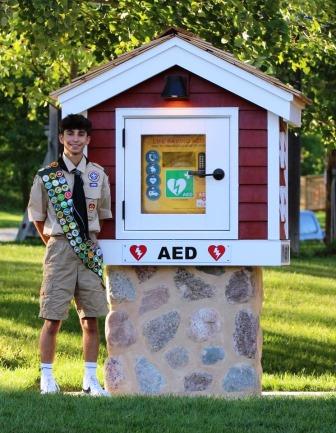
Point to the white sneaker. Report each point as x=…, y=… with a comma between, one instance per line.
x=49, y=385
x=93, y=387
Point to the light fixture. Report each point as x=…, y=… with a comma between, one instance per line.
x=175, y=87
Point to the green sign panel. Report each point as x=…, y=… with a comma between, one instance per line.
x=179, y=184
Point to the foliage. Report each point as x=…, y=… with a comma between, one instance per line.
x=313, y=155
x=45, y=44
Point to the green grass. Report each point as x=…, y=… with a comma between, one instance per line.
x=298, y=322
x=10, y=219
x=30, y=412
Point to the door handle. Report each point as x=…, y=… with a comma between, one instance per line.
x=218, y=173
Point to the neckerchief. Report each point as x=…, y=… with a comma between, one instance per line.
x=61, y=198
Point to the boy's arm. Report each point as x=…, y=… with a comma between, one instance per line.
x=39, y=227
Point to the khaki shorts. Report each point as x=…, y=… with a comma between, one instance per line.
x=65, y=277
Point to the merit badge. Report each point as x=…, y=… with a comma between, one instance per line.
x=59, y=214
x=79, y=240
x=53, y=200
x=52, y=176
x=69, y=235
x=90, y=254
x=54, y=182
x=59, y=173
x=70, y=202
x=67, y=211
x=81, y=256
x=57, y=207
x=64, y=204
x=93, y=176
x=60, y=197
x=73, y=242
x=75, y=233
x=58, y=190
x=77, y=250
x=82, y=247
x=65, y=228
x=91, y=265
x=67, y=195
x=62, y=221
x=48, y=185
x=65, y=188
x=62, y=180
x=72, y=225
x=99, y=252
x=92, y=207
x=45, y=178
x=69, y=218
x=53, y=164
x=51, y=193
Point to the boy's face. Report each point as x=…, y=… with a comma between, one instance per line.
x=74, y=141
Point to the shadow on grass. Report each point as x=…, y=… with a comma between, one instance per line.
x=315, y=267
x=297, y=355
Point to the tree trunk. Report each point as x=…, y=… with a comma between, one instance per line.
x=331, y=198
x=294, y=171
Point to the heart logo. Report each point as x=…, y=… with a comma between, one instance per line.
x=177, y=186
x=216, y=251
x=138, y=251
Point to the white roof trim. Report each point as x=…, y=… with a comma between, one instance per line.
x=179, y=52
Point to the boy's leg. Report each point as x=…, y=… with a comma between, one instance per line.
x=47, y=346
x=90, y=353
x=48, y=340
x=90, y=338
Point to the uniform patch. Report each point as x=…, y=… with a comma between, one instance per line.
x=93, y=184
x=92, y=207
x=93, y=176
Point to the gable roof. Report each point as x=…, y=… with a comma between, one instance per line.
x=194, y=45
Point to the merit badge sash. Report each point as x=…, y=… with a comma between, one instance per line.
x=60, y=196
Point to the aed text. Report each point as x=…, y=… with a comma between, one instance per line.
x=177, y=253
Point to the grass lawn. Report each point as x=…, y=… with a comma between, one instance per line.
x=30, y=412
x=10, y=219
x=298, y=322
x=299, y=318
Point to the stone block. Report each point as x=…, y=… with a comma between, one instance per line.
x=245, y=335
x=211, y=355
x=114, y=374
x=192, y=288
x=149, y=378
x=240, y=288
x=119, y=329
x=158, y=332
x=120, y=287
x=198, y=381
x=204, y=324
x=177, y=357
x=239, y=378
x=211, y=270
x=144, y=273
x=154, y=299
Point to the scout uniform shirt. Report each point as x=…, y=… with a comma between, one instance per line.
x=96, y=190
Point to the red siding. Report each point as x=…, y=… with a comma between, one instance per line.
x=252, y=142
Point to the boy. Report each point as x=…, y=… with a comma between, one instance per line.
x=68, y=200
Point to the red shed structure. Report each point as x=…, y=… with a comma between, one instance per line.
x=214, y=79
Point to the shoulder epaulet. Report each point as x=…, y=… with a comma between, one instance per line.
x=97, y=165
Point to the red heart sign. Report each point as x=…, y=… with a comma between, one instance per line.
x=138, y=251
x=216, y=251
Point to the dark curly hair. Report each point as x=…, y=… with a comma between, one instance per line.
x=75, y=121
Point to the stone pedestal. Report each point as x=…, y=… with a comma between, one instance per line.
x=184, y=330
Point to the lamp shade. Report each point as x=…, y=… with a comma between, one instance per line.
x=175, y=87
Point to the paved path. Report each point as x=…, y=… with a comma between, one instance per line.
x=7, y=235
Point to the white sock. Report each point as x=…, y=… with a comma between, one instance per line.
x=90, y=371
x=46, y=370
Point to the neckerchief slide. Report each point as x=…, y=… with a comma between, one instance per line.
x=60, y=196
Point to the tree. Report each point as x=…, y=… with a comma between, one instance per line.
x=44, y=44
